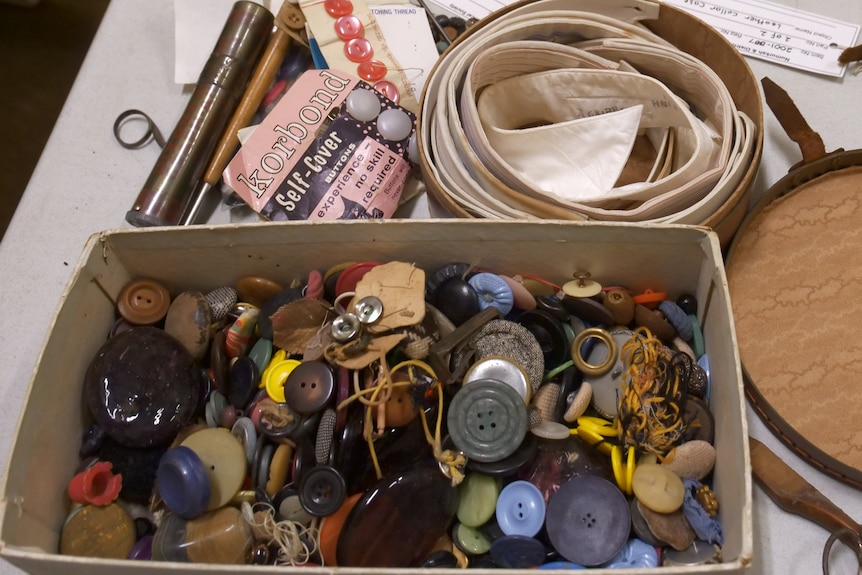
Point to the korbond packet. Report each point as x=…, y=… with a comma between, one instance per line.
x=311, y=160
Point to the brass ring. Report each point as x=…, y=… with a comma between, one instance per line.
x=581, y=363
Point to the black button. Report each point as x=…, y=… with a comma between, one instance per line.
x=309, y=387
x=550, y=333
x=517, y=552
x=322, y=491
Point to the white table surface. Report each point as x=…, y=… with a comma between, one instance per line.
x=85, y=182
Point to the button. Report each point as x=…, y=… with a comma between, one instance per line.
x=441, y=559
x=224, y=460
x=508, y=465
x=244, y=377
x=142, y=387
x=457, y=300
x=588, y=310
x=276, y=420
x=256, y=290
x=351, y=275
x=477, y=498
x=549, y=333
x=389, y=90
x=144, y=302
x=640, y=527
x=564, y=565
x=487, y=420
x=677, y=318
x=104, y=532
x=550, y=430
x=621, y=305
x=347, y=28
x=610, y=355
x=344, y=328
x=372, y=70
x=322, y=491
x=400, y=408
x=288, y=507
x=279, y=469
x=368, y=310
x=238, y=337
x=607, y=387
x=649, y=298
x=470, y=540
x=493, y=291
x=260, y=467
x=512, y=340
x=261, y=353
x=244, y=431
x=521, y=509
x=501, y=369
x=517, y=552
x=588, y=520
x=688, y=303
x=309, y=387
x=276, y=378
x=338, y=8
x=188, y=320
x=582, y=286
x=655, y=321
x=393, y=124
x=671, y=528
x=434, y=280
x=634, y=554
x=658, y=488
x=324, y=437
x=330, y=529
x=698, y=553
x=183, y=482
x=699, y=420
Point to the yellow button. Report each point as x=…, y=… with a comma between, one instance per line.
x=276, y=375
x=224, y=459
x=658, y=488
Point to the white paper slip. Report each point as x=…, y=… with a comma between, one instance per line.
x=467, y=9
x=408, y=36
x=777, y=33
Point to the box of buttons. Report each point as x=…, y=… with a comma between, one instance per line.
x=382, y=396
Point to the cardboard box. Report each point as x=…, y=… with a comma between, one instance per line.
x=45, y=454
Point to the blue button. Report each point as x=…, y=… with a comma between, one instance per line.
x=566, y=565
x=635, y=553
x=183, y=482
x=520, y=509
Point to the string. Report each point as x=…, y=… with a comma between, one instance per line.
x=288, y=536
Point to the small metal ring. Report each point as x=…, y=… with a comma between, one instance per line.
x=587, y=368
x=152, y=131
x=841, y=534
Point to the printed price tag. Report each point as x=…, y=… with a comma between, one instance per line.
x=777, y=33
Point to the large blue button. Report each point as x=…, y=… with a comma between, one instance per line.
x=520, y=509
x=183, y=482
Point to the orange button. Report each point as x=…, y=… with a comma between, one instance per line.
x=144, y=302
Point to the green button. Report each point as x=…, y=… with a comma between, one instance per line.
x=470, y=540
x=477, y=499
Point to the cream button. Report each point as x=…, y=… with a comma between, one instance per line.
x=658, y=488
x=224, y=459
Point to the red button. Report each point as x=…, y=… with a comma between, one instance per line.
x=349, y=27
x=338, y=8
x=372, y=70
x=358, y=50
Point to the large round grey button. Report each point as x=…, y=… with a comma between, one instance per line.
x=487, y=420
x=588, y=520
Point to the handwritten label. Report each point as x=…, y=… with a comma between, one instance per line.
x=777, y=33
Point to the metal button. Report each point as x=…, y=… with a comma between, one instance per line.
x=369, y=309
x=345, y=327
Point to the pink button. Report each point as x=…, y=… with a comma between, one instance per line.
x=372, y=70
x=349, y=27
x=358, y=50
x=338, y=8
x=388, y=89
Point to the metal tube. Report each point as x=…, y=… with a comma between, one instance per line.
x=169, y=189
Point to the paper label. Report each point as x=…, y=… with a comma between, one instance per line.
x=777, y=33
x=310, y=160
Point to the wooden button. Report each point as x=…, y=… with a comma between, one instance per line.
x=224, y=460
x=255, y=290
x=144, y=302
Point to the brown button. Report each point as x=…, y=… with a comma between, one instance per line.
x=144, y=302
x=255, y=290
x=106, y=532
x=400, y=408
